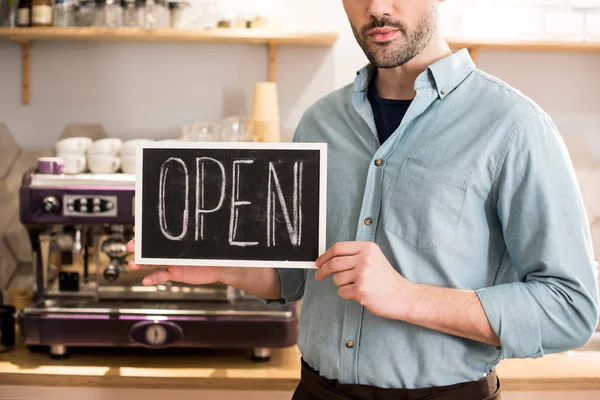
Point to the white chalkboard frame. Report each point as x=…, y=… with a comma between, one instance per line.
x=321, y=147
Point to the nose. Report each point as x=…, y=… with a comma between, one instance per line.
x=381, y=8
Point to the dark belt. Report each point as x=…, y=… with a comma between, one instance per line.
x=313, y=386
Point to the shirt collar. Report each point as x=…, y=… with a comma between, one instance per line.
x=443, y=75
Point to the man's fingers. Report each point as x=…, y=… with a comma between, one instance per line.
x=344, y=278
x=335, y=265
x=131, y=246
x=346, y=292
x=135, y=267
x=339, y=250
x=156, y=278
x=177, y=274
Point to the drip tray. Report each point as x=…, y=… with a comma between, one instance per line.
x=166, y=293
x=76, y=322
x=239, y=308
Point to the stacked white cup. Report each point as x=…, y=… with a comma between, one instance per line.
x=128, y=155
x=72, y=152
x=103, y=156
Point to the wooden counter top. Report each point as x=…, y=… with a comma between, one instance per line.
x=208, y=369
x=565, y=371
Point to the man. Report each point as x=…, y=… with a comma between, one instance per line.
x=458, y=234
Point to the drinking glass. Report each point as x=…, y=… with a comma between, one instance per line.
x=236, y=129
x=202, y=132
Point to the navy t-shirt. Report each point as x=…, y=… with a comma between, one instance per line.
x=388, y=113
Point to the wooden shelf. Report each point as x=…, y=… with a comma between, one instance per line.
x=530, y=45
x=251, y=36
x=271, y=38
x=475, y=46
x=265, y=36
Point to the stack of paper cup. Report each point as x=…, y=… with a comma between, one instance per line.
x=72, y=152
x=128, y=151
x=265, y=113
x=20, y=297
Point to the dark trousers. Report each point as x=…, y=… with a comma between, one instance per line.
x=313, y=386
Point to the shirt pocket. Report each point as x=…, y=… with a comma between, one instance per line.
x=427, y=203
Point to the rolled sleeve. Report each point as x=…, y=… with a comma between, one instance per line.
x=292, y=285
x=520, y=337
x=554, y=305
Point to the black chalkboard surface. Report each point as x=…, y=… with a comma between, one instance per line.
x=230, y=204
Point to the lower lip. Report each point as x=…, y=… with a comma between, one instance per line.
x=384, y=37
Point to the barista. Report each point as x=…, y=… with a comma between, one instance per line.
x=458, y=236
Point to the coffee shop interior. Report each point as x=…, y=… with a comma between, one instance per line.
x=86, y=81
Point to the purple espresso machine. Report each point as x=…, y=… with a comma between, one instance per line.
x=78, y=226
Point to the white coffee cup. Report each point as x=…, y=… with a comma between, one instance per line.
x=74, y=145
x=74, y=163
x=128, y=164
x=130, y=146
x=109, y=146
x=103, y=163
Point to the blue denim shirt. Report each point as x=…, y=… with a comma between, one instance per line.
x=476, y=192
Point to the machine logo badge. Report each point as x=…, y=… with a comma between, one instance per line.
x=156, y=335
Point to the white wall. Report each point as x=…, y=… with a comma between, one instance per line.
x=150, y=90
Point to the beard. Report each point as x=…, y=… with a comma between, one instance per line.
x=401, y=49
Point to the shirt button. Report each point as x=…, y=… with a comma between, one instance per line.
x=368, y=221
x=443, y=92
x=378, y=162
x=350, y=344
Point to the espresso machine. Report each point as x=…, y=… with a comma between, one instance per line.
x=85, y=296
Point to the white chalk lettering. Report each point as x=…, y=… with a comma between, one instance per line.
x=164, y=169
x=236, y=204
x=294, y=227
x=200, y=191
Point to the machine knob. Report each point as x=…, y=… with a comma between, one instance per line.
x=51, y=204
x=111, y=273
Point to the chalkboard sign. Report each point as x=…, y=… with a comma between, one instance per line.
x=230, y=204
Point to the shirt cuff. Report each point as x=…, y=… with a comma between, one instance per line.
x=292, y=286
x=511, y=314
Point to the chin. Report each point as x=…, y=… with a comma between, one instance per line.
x=385, y=65
x=380, y=60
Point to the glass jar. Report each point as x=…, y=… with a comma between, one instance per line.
x=63, y=13
x=109, y=14
x=85, y=13
x=177, y=9
x=130, y=14
x=156, y=14
x=134, y=12
x=140, y=6
x=163, y=14
x=41, y=13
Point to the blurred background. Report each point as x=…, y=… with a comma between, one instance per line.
x=129, y=89
x=152, y=89
x=107, y=73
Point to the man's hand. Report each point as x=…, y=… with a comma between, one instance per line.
x=362, y=273
x=189, y=275
x=260, y=282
